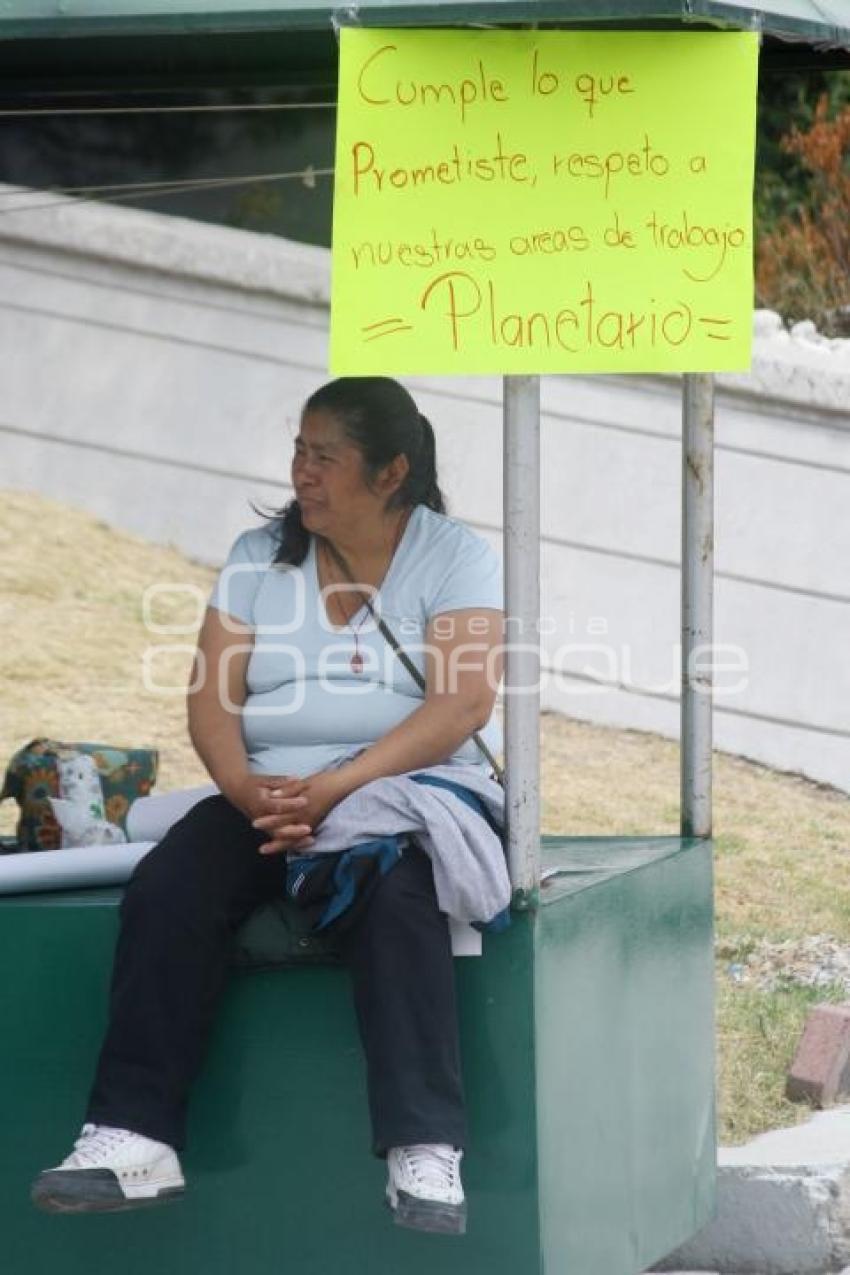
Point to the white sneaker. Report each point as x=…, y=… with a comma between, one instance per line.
x=424, y=1189
x=109, y=1169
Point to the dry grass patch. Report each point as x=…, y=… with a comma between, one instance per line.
x=781, y=872
x=71, y=666
x=783, y=842
x=757, y=1035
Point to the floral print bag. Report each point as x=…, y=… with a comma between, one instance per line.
x=33, y=779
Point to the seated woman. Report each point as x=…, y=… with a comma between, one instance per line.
x=298, y=702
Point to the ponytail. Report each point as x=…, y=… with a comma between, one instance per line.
x=421, y=487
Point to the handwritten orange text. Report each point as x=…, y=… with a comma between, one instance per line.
x=376, y=86
x=434, y=251
x=451, y=170
x=689, y=233
x=474, y=312
x=642, y=162
x=548, y=242
x=592, y=89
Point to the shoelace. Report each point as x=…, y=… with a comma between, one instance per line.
x=433, y=1165
x=96, y=1141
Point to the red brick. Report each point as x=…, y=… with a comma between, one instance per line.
x=820, y=1071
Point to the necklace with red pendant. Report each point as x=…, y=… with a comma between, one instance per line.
x=356, y=662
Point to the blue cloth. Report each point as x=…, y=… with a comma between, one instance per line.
x=341, y=880
x=305, y=709
x=342, y=875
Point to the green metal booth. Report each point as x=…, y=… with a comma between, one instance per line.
x=587, y=1026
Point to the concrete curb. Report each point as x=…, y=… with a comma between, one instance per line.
x=783, y=1205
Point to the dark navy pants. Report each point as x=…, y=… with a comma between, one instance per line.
x=179, y=912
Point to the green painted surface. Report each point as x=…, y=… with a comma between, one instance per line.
x=625, y=1052
x=587, y=1025
x=278, y=1164
x=809, y=19
x=54, y=46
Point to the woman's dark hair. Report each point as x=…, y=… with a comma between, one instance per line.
x=382, y=420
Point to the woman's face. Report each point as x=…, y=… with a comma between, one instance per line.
x=330, y=480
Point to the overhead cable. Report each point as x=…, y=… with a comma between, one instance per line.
x=196, y=109
x=150, y=190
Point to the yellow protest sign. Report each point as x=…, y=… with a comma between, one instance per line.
x=543, y=201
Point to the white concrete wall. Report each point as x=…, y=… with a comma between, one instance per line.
x=153, y=369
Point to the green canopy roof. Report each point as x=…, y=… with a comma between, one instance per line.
x=194, y=40
x=821, y=23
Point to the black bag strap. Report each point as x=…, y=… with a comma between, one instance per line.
x=389, y=637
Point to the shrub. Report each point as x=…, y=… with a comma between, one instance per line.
x=803, y=264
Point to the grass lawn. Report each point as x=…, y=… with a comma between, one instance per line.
x=71, y=667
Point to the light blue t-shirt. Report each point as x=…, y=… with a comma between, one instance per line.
x=306, y=709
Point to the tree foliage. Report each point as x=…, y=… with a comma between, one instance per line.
x=803, y=198
x=788, y=101
x=803, y=260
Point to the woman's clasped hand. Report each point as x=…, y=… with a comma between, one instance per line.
x=287, y=808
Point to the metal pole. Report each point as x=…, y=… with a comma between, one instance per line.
x=522, y=615
x=697, y=618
